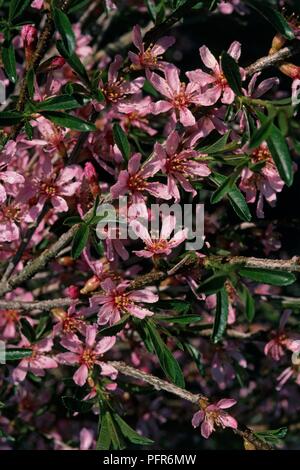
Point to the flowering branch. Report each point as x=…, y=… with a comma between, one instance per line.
x=160, y=384
x=274, y=59
x=36, y=305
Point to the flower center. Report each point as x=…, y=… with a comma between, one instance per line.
x=147, y=58
x=122, y=302
x=176, y=163
x=88, y=358
x=11, y=213
x=221, y=80
x=158, y=245
x=262, y=154
x=48, y=188
x=136, y=183
x=113, y=91
x=10, y=315
x=181, y=100
x=71, y=324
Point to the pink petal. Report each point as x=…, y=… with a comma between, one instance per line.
x=208, y=59
x=105, y=344
x=198, y=418
x=139, y=312
x=226, y=403
x=160, y=85
x=162, y=45
x=81, y=375
x=137, y=38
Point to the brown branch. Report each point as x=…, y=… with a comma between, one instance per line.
x=274, y=59
x=159, y=384
x=36, y=305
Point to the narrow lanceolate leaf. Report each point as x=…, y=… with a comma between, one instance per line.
x=10, y=118
x=121, y=141
x=17, y=353
x=267, y=276
x=166, y=359
x=68, y=121
x=221, y=315
x=232, y=73
x=16, y=8
x=212, y=284
x=130, y=433
x=281, y=155
x=104, y=439
x=80, y=240
x=74, y=61
x=57, y=103
x=236, y=198
x=223, y=189
x=248, y=303
x=9, y=61
x=261, y=134
x=27, y=330
x=273, y=16
x=64, y=27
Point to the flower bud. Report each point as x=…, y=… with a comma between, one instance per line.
x=65, y=261
x=73, y=292
x=291, y=70
x=29, y=35
x=277, y=44
x=59, y=313
x=92, y=284
x=91, y=176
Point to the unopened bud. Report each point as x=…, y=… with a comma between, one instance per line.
x=59, y=313
x=92, y=177
x=291, y=70
x=92, y=284
x=65, y=261
x=277, y=44
x=29, y=35
x=73, y=292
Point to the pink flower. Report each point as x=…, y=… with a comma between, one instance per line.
x=37, y=362
x=267, y=182
x=134, y=112
x=68, y=322
x=37, y=4
x=179, y=96
x=116, y=301
x=86, y=439
x=282, y=340
x=134, y=180
x=10, y=216
x=214, y=84
x=47, y=186
x=149, y=58
x=116, y=89
x=212, y=416
x=180, y=165
x=87, y=354
x=160, y=245
x=9, y=178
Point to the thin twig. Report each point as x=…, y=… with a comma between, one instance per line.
x=274, y=59
x=159, y=384
x=36, y=305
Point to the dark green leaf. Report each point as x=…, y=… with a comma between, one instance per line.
x=74, y=62
x=172, y=304
x=9, y=61
x=166, y=359
x=272, y=437
x=267, y=276
x=274, y=17
x=221, y=315
x=261, y=134
x=217, y=146
x=17, y=353
x=80, y=240
x=130, y=433
x=249, y=304
x=56, y=103
x=183, y=320
x=212, y=284
x=78, y=406
x=27, y=330
x=30, y=83
x=236, y=198
x=64, y=27
x=16, y=8
x=232, y=73
x=121, y=141
x=68, y=121
x=116, y=439
x=73, y=220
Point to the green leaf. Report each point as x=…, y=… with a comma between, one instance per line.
x=273, y=16
x=121, y=141
x=182, y=320
x=30, y=83
x=73, y=220
x=221, y=316
x=212, y=284
x=223, y=189
x=56, y=103
x=232, y=74
x=236, y=198
x=17, y=353
x=173, y=304
x=249, y=304
x=196, y=355
x=217, y=146
x=68, y=121
x=104, y=438
x=80, y=240
x=272, y=437
x=16, y=8
x=267, y=276
x=27, y=330
x=166, y=359
x=9, y=61
x=64, y=27
x=261, y=134
x=10, y=118
x=74, y=405
x=130, y=433
x=115, y=328
x=117, y=441
x=74, y=62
